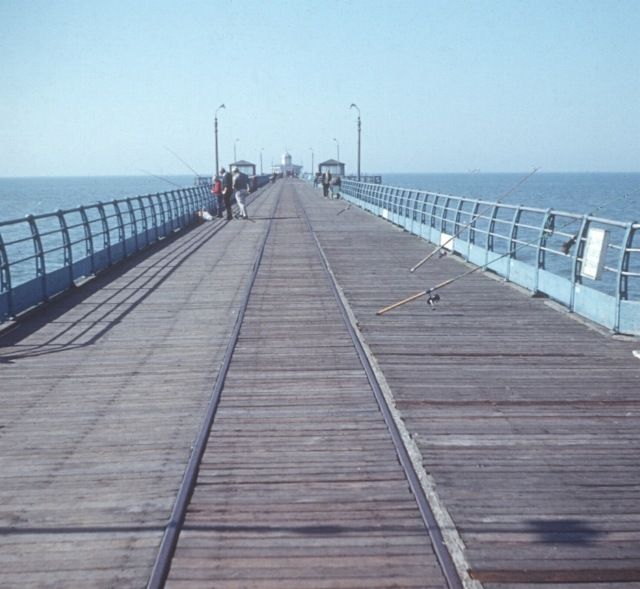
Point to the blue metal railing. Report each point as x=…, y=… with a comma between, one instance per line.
x=44, y=255
x=540, y=249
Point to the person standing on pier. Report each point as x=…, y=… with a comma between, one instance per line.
x=241, y=189
x=217, y=193
x=326, y=182
x=227, y=191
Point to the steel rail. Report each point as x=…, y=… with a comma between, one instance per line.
x=162, y=564
x=433, y=529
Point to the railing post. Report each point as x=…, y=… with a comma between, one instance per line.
x=88, y=238
x=39, y=256
x=575, y=257
x=134, y=223
x=121, y=230
x=622, y=290
x=155, y=217
x=491, y=227
x=472, y=223
x=106, y=237
x=163, y=217
x=143, y=219
x=545, y=230
x=443, y=220
x=513, y=236
x=434, y=204
x=183, y=215
x=66, y=245
x=190, y=204
x=5, y=278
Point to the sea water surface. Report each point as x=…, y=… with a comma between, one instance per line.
x=608, y=195
x=613, y=196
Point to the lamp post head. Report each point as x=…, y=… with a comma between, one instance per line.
x=354, y=105
x=217, y=109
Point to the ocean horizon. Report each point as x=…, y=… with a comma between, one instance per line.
x=613, y=195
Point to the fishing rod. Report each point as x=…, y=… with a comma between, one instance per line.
x=482, y=212
x=567, y=245
x=160, y=178
x=434, y=298
x=185, y=163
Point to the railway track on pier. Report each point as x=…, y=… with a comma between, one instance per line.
x=299, y=477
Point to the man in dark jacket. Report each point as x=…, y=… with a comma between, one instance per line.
x=227, y=191
x=241, y=188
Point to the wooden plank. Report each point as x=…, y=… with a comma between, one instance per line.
x=527, y=420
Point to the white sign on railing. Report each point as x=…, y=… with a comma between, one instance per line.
x=595, y=253
x=446, y=241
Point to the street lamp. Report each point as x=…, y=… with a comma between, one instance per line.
x=261, y=150
x=338, y=147
x=235, y=157
x=359, y=127
x=216, y=135
x=312, y=171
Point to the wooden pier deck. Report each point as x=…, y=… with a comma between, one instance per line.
x=523, y=424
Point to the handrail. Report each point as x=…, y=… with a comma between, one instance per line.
x=524, y=244
x=43, y=255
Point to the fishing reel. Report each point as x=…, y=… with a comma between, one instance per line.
x=432, y=299
x=442, y=253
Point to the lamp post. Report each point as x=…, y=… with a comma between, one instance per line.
x=215, y=116
x=312, y=170
x=261, y=150
x=338, y=148
x=235, y=157
x=359, y=127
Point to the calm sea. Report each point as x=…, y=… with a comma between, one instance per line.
x=612, y=196
x=24, y=196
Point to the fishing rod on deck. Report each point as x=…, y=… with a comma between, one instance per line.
x=434, y=297
x=442, y=247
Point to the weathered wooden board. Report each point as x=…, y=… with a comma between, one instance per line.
x=300, y=485
x=528, y=420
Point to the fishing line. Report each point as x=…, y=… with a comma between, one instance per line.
x=185, y=163
x=546, y=231
x=160, y=178
x=442, y=247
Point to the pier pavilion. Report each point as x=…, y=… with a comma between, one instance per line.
x=334, y=166
x=286, y=166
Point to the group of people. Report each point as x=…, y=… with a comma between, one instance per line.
x=329, y=184
x=227, y=185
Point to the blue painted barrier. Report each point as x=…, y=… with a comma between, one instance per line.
x=44, y=255
x=525, y=245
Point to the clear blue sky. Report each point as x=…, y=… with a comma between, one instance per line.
x=93, y=87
